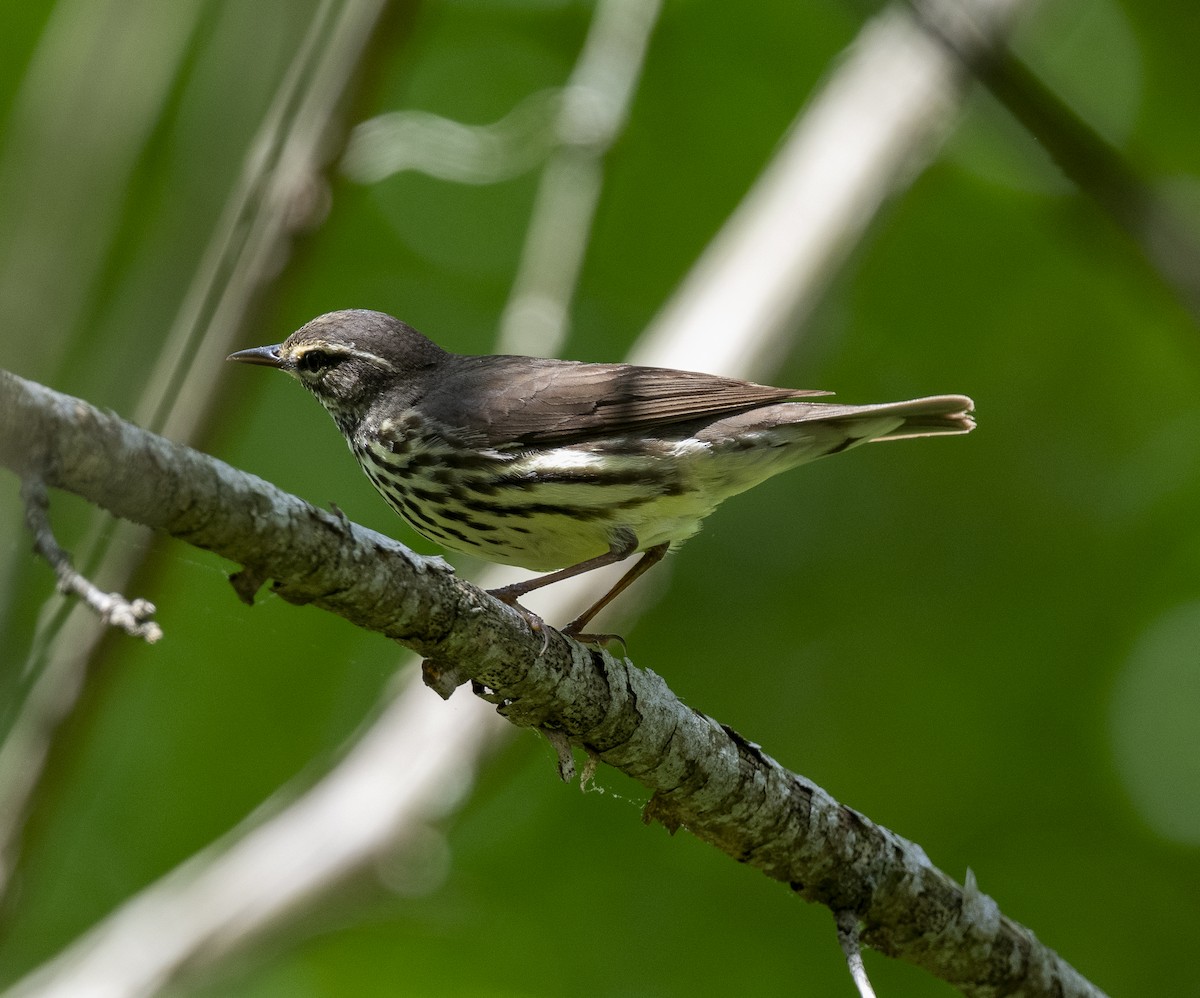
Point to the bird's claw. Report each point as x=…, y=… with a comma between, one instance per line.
x=536, y=624
x=599, y=640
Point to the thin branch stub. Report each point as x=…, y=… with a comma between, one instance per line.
x=134, y=617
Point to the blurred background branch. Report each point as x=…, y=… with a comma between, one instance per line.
x=1157, y=225
x=279, y=172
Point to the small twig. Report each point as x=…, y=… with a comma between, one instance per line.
x=847, y=930
x=589, y=771
x=562, y=748
x=131, y=616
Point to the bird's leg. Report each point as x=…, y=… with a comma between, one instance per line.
x=646, y=562
x=619, y=551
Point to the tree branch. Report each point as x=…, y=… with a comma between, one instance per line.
x=702, y=775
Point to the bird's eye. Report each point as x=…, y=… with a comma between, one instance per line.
x=315, y=361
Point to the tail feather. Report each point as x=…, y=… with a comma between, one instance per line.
x=935, y=415
x=940, y=414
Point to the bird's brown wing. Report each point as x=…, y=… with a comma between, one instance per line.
x=540, y=401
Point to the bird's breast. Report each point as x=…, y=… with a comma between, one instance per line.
x=540, y=508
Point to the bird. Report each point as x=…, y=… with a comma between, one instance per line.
x=562, y=466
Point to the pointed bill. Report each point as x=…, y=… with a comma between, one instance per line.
x=264, y=356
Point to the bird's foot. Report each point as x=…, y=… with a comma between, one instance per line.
x=599, y=640
x=509, y=597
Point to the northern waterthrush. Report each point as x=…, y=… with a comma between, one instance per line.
x=560, y=466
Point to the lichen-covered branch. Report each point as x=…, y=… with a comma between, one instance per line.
x=703, y=776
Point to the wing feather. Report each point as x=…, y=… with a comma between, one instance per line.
x=541, y=401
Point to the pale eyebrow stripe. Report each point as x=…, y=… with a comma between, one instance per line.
x=344, y=351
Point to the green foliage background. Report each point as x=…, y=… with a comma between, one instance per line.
x=988, y=644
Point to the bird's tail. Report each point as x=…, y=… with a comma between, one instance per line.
x=935, y=415
x=752, y=446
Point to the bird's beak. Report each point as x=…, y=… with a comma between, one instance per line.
x=266, y=356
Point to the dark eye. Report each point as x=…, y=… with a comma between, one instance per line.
x=315, y=361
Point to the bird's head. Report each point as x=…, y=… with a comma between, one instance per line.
x=352, y=358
